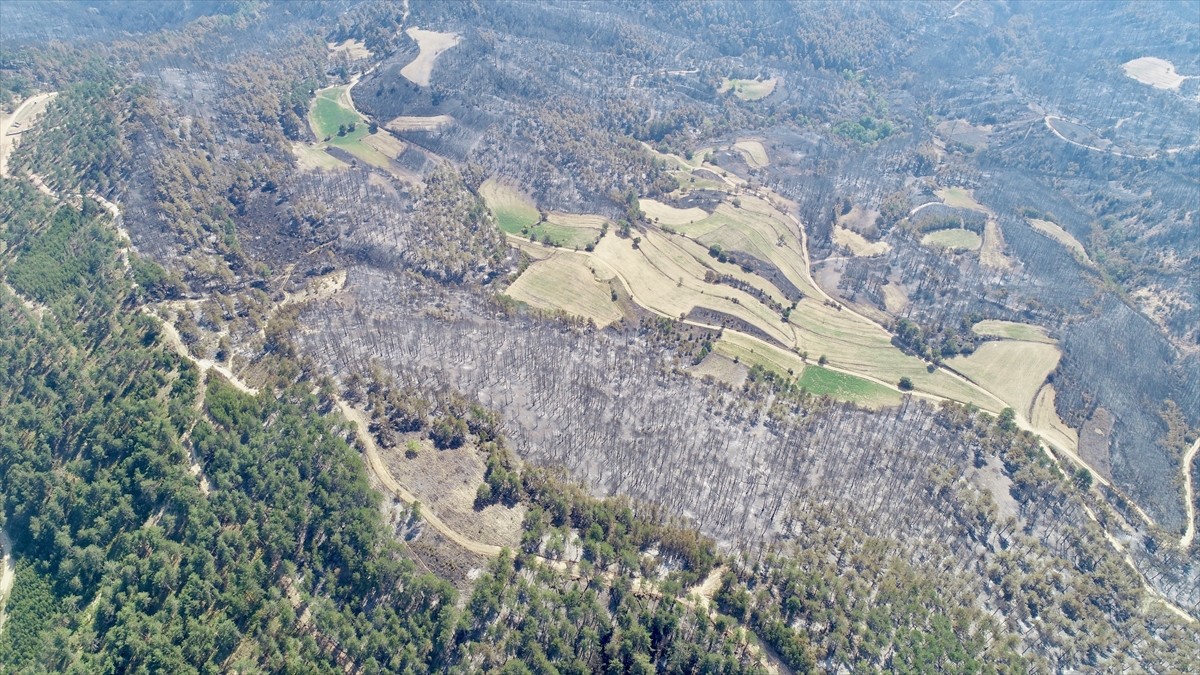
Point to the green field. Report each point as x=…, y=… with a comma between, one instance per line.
x=514, y=211
x=329, y=113
x=825, y=382
x=955, y=237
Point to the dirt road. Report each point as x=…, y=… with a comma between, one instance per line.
x=1189, y=497
x=12, y=126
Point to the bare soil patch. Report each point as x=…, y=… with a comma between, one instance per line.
x=1156, y=72
x=432, y=44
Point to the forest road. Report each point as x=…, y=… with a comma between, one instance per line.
x=376, y=466
x=1189, y=497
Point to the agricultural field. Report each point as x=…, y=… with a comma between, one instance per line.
x=1063, y=237
x=1044, y=417
x=753, y=152
x=431, y=44
x=336, y=124
x=1014, y=370
x=514, y=211
x=1156, y=72
x=953, y=238
x=1012, y=330
x=749, y=90
x=825, y=382
x=665, y=214
x=566, y=282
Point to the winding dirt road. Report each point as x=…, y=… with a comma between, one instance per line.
x=1189, y=497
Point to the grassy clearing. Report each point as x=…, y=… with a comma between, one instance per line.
x=568, y=230
x=895, y=298
x=355, y=49
x=310, y=158
x=1156, y=72
x=961, y=199
x=1013, y=331
x=754, y=153
x=749, y=90
x=336, y=124
x=514, y=211
x=431, y=44
x=720, y=368
x=1063, y=237
x=858, y=244
x=992, y=252
x=566, y=282
x=665, y=214
x=825, y=382
x=954, y=238
x=1013, y=370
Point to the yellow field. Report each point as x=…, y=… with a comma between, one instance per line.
x=858, y=244
x=310, y=157
x=754, y=153
x=432, y=44
x=960, y=199
x=1013, y=370
x=720, y=368
x=565, y=281
x=1013, y=331
x=665, y=214
x=409, y=123
x=954, y=238
x=749, y=90
x=894, y=298
x=1063, y=237
x=1156, y=72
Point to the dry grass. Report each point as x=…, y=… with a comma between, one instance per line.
x=953, y=238
x=992, y=253
x=408, y=123
x=355, y=49
x=1156, y=72
x=858, y=244
x=961, y=199
x=1013, y=370
x=1063, y=237
x=665, y=214
x=312, y=158
x=754, y=153
x=432, y=44
x=1012, y=331
x=721, y=368
x=895, y=298
x=567, y=282
x=860, y=220
x=749, y=90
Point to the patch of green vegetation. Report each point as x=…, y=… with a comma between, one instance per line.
x=866, y=130
x=341, y=127
x=560, y=235
x=825, y=382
